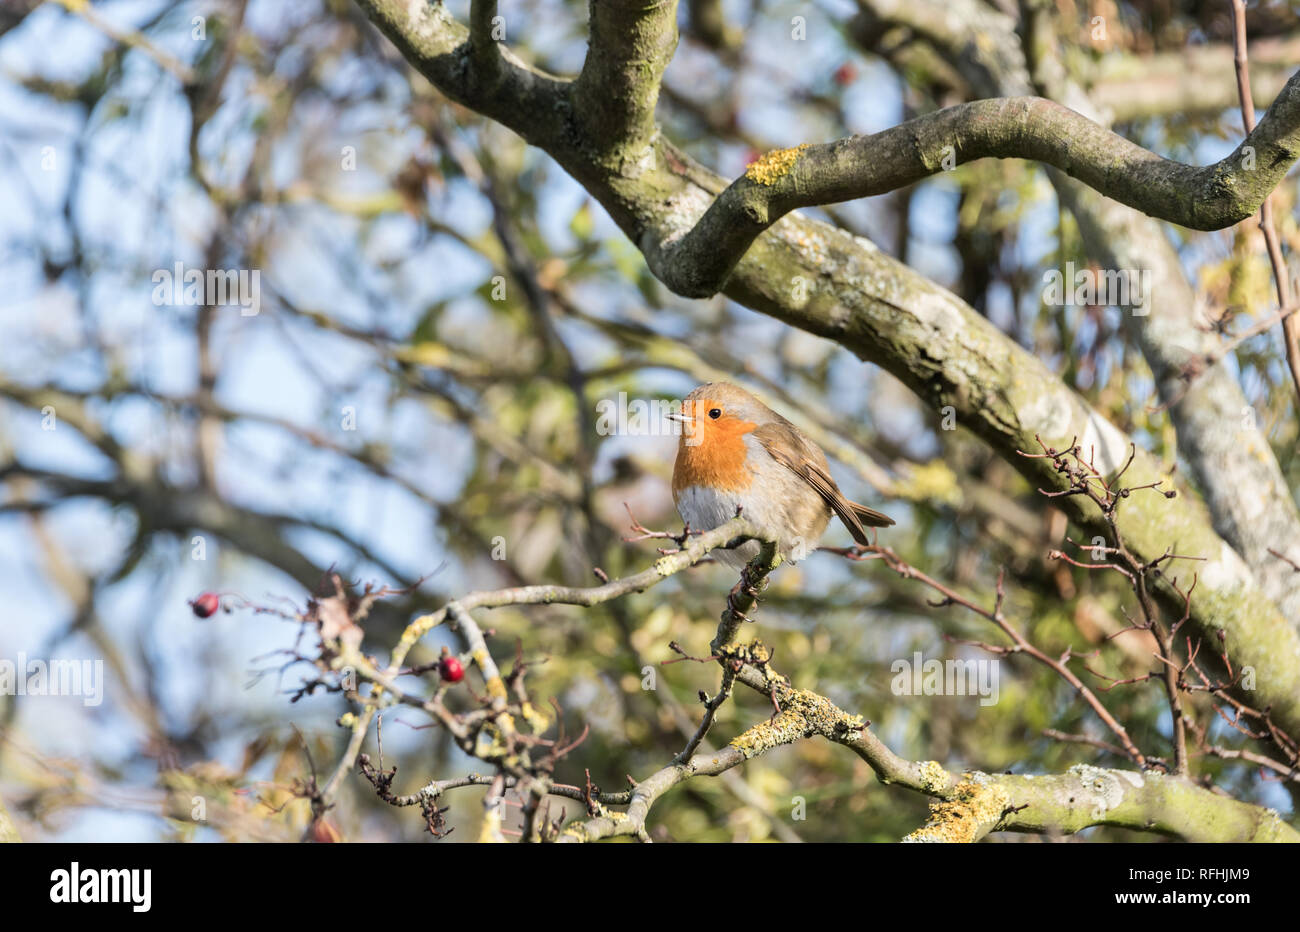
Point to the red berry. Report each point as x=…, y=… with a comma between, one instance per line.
x=206, y=605
x=846, y=74
x=451, y=669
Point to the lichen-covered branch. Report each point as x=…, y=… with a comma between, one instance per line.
x=967, y=806
x=976, y=803
x=632, y=822
x=1085, y=796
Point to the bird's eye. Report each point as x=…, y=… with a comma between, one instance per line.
x=715, y=413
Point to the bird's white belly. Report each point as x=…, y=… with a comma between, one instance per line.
x=704, y=508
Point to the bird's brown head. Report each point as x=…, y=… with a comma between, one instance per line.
x=715, y=419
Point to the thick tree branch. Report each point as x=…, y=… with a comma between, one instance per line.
x=632, y=42
x=521, y=97
x=612, y=103
x=487, y=54
x=1206, y=198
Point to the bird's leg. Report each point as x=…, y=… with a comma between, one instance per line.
x=776, y=706
x=745, y=585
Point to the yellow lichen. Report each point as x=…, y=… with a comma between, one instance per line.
x=803, y=714
x=576, y=830
x=496, y=687
x=537, y=721
x=490, y=830
x=973, y=809
x=490, y=743
x=933, y=777
x=418, y=629
x=755, y=653
x=770, y=168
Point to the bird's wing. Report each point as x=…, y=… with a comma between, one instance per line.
x=788, y=447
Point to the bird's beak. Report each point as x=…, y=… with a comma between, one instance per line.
x=679, y=417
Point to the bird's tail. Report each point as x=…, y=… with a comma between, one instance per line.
x=869, y=517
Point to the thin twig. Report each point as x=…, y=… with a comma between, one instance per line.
x=1290, y=325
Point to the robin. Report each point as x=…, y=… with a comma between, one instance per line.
x=736, y=452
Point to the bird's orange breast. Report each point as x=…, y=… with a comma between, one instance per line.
x=717, y=460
